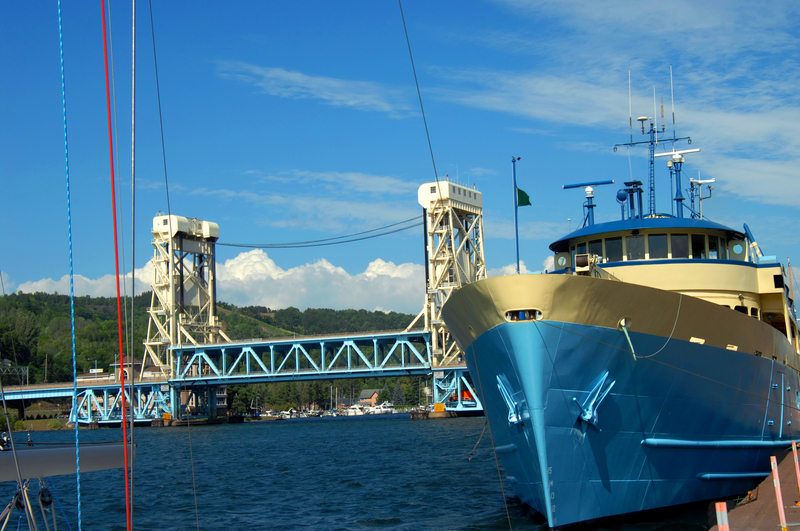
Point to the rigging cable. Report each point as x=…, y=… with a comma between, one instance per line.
x=133, y=205
x=327, y=241
x=8, y=421
x=169, y=217
x=491, y=436
x=71, y=273
x=419, y=95
x=128, y=323
x=116, y=266
x=119, y=180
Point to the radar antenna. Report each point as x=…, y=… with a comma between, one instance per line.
x=675, y=164
x=652, y=142
x=697, y=191
x=588, y=218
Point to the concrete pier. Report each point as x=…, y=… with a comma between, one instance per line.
x=761, y=514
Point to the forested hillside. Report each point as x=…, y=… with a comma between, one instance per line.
x=35, y=329
x=325, y=321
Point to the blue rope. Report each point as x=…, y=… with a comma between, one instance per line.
x=53, y=490
x=71, y=278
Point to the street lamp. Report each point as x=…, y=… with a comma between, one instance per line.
x=95, y=369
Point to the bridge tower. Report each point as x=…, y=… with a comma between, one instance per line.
x=183, y=304
x=453, y=256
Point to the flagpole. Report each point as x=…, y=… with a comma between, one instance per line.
x=516, y=196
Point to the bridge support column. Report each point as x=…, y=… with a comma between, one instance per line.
x=212, y=402
x=175, y=402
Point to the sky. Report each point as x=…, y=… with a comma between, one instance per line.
x=299, y=121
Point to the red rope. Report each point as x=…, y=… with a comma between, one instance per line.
x=116, y=265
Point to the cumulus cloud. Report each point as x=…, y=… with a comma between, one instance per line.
x=253, y=278
x=510, y=269
x=549, y=263
x=104, y=286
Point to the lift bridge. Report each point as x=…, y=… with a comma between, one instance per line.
x=189, y=360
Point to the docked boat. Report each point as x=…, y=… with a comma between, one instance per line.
x=656, y=366
x=355, y=410
x=383, y=409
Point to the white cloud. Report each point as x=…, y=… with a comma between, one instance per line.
x=480, y=172
x=549, y=263
x=362, y=95
x=730, y=63
x=104, y=286
x=253, y=278
x=319, y=212
x=503, y=229
x=341, y=181
x=510, y=269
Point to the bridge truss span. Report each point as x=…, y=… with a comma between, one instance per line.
x=305, y=358
x=102, y=404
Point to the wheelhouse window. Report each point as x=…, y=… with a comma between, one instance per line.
x=713, y=248
x=658, y=246
x=635, y=247
x=680, y=245
x=596, y=247
x=582, y=248
x=614, y=249
x=698, y=246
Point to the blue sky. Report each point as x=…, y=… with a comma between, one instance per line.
x=294, y=121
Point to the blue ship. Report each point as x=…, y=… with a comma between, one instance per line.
x=656, y=366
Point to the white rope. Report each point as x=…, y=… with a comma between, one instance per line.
x=674, y=326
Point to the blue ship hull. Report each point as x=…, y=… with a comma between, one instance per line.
x=692, y=423
x=616, y=398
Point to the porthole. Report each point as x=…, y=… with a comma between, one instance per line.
x=524, y=315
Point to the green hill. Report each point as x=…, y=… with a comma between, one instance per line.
x=35, y=329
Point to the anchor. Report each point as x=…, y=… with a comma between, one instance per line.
x=514, y=413
x=593, y=401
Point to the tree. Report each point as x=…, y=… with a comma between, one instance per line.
x=399, y=397
x=384, y=396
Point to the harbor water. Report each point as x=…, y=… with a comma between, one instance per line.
x=381, y=472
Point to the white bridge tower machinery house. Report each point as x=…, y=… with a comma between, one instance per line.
x=183, y=305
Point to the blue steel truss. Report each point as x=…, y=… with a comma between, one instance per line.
x=102, y=404
x=201, y=369
x=306, y=358
x=448, y=389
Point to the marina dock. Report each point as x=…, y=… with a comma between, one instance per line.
x=761, y=514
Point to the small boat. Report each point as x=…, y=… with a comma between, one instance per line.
x=355, y=410
x=384, y=408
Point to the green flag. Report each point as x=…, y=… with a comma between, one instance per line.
x=522, y=198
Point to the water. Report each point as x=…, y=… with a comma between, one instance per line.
x=358, y=473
